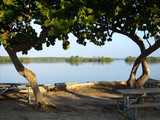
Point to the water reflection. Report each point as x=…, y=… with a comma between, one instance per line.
x=50, y=73
x=94, y=63
x=131, y=62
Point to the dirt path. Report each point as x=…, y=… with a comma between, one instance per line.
x=70, y=105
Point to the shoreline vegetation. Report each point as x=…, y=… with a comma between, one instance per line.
x=4, y=59
x=151, y=59
x=75, y=59
x=78, y=60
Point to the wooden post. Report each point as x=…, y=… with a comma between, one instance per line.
x=29, y=97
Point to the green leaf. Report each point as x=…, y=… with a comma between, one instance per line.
x=46, y=12
x=39, y=5
x=115, y=13
x=2, y=14
x=89, y=10
x=51, y=32
x=66, y=30
x=137, y=25
x=9, y=13
x=48, y=23
x=20, y=18
x=65, y=4
x=10, y=2
x=87, y=24
x=124, y=2
x=1, y=39
x=101, y=14
x=57, y=23
x=66, y=45
x=84, y=35
x=12, y=34
x=117, y=8
x=62, y=6
x=53, y=11
x=92, y=19
x=2, y=30
x=83, y=1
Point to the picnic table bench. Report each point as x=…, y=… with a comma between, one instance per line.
x=131, y=100
x=14, y=88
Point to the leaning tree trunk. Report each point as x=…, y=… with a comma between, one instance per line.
x=139, y=83
x=29, y=75
x=133, y=82
x=145, y=75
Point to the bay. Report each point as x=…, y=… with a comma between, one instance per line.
x=51, y=73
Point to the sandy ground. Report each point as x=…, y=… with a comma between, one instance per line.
x=70, y=105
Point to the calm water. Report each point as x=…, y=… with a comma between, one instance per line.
x=50, y=73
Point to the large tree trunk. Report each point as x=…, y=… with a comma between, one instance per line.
x=29, y=75
x=139, y=83
x=132, y=79
x=146, y=73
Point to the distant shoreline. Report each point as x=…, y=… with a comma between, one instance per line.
x=151, y=59
x=75, y=59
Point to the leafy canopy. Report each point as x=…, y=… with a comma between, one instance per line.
x=93, y=20
x=124, y=17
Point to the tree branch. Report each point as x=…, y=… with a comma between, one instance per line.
x=120, y=32
x=24, y=14
x=133, y=31
x=149, y=43
x=148, y=51
x=133, y=37
x=29, y=75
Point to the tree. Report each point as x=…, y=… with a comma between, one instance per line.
x=129, y=17
x=125, y=17
x=135, y=16
x=56, y=19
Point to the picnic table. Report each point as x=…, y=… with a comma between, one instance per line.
x=5, y=88
x=152, y=82
x=131, y=100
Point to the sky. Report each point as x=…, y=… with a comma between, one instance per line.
x=120, y=47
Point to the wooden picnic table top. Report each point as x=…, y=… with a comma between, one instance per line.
x=150, y=80
x=138, y=91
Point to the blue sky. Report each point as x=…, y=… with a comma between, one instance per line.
x=120, y=47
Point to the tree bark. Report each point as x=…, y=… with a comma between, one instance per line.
x=132, y=82
x=28, y=74
x=139, y=83
x=144, y=77
x=132, y=79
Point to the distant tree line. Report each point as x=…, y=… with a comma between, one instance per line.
x=34, y=60
x=4, y=59
x=48, y=59
x=73, y=59
x=151, y=59
x=77, y=59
